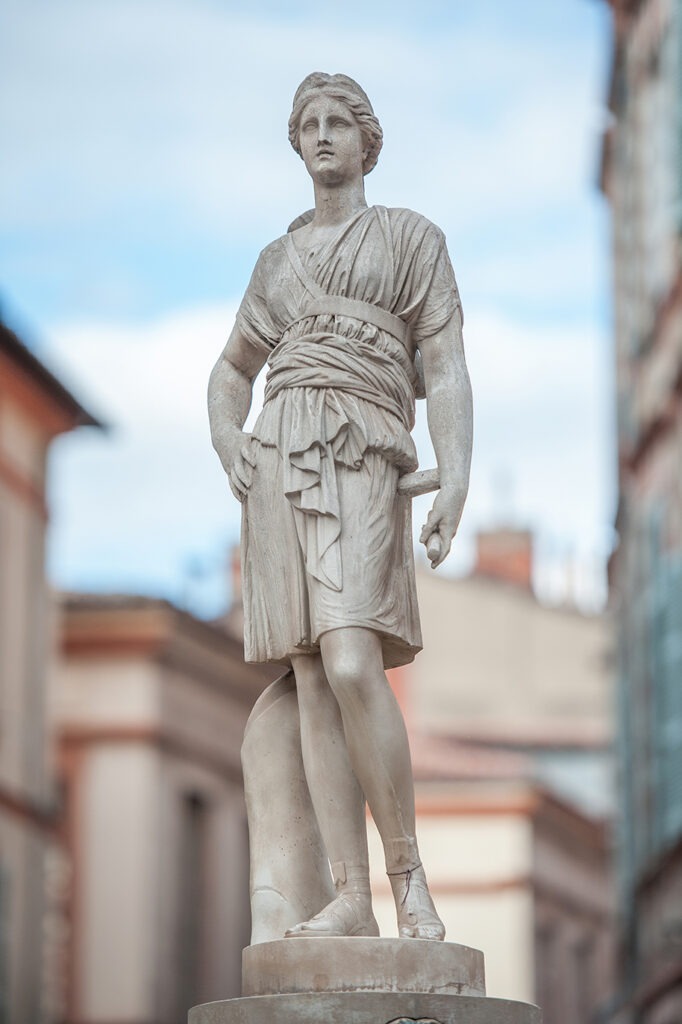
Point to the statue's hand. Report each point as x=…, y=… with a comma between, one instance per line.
x=442, y=522
x=238, y=459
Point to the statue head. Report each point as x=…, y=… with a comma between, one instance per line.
x=348, y=92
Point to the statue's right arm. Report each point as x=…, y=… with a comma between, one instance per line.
x=229, y=399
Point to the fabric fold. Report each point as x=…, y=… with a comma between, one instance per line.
x=326, y=537
x=323, y=367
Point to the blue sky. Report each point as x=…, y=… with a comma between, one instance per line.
x=146, y=163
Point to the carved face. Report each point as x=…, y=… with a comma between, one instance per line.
x=331, y=141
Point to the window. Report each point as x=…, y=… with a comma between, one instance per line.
x=190, y=925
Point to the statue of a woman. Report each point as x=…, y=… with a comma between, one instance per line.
x=341, y=309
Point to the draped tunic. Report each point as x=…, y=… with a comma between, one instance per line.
x=326, y=539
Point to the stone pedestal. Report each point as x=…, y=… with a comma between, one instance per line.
x=363, y=981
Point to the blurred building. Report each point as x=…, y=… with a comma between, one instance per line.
x=642, y=178
x=123, y=844
x=502, y=670
x=515, y=871
x=151, y=708
x=508, y=710
x=34, y=409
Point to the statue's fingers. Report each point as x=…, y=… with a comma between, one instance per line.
x=430, y=526
x=241, y=471
x=425, y=534
x=434, y=548
x=239, y=479
x=248, y=454
x=235, y=488
x=444, y=551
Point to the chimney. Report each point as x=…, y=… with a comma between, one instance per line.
x=505, y=555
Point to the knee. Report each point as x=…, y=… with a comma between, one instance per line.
x=349, y=679
x=354, y=666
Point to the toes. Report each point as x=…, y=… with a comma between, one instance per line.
x=291, y=933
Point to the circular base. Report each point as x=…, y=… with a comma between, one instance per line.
x=365, y=1008
x=362, y=965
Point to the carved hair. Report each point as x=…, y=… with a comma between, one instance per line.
x=347, y=91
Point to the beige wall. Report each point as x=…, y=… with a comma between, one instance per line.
x=479, y=867
x=151, y=712
x=497, y=661
x=117, y=882
x=499, y=671
x=513, y=871
x=23, y=599
x=23, y=848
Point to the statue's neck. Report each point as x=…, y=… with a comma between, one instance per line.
x=334, y=205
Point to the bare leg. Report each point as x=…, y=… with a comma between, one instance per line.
x=338, y=803
x=379, y=753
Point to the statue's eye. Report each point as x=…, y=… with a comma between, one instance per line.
x=308, y=125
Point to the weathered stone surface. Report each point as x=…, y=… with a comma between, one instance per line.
x=357, y=314
x=364, y=1008
x=362, y=965
x=290, y=878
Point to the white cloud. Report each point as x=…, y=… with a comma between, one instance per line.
x=539, y=426
x=115, y=105
x=134, y=507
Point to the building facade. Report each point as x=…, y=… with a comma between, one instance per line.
x=504, y=671
x=34, y=409
x=514, y=871
x=151, y=706
x=509, y=712
x=642, y=179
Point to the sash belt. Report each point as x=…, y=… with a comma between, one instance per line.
x=341, y=305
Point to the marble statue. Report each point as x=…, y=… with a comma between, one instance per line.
x=356, y=313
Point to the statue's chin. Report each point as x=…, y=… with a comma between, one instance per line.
x=334, y=177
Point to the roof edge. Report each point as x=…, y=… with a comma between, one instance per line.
x=30, y=364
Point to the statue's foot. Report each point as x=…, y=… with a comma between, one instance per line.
x=417, y=917
x=349, y=914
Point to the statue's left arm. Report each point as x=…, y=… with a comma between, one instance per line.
x=450, y=419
